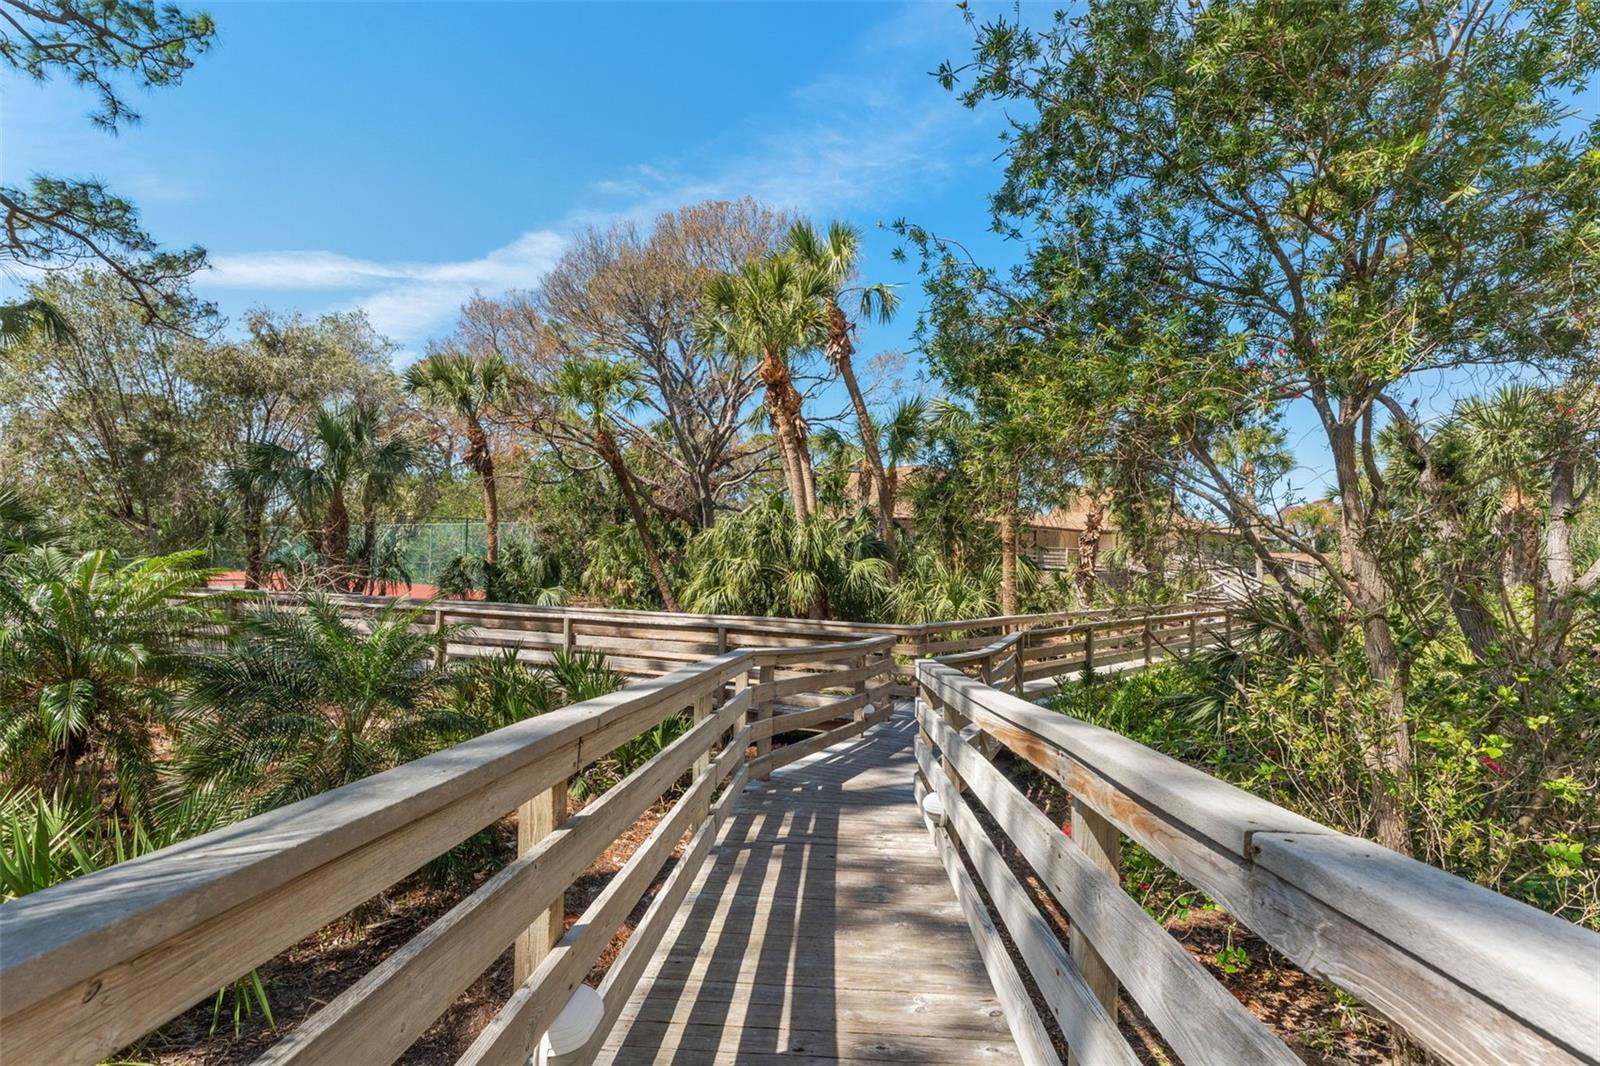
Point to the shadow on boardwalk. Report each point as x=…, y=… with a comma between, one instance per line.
x=823, y=930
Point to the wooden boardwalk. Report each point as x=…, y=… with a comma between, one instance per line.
x=823, y=930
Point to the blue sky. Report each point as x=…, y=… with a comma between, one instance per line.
x=396, y=156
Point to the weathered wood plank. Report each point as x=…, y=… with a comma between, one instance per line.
x=1027, y=1029
x=1090, y=1028
x=624, y=973
x=376, y=1019
x=1194, y=1013
x=513, y=1035
x=1205, y=830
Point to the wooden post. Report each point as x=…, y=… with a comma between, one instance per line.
x=722, y=639
x=1147, y=640
x=439, y=650
x=702, y=711
x=955, y=721
x=566, y=633
x=536, y=820
x=1088, y=650
x=1101, y=841
x=1193, y=643
x=1020, y=680
x=763, y=713
x=860, y=663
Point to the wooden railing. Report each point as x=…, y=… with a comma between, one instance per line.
x=1014, y=662
x=91, y=965
x=1472, y=975
x=650, y=643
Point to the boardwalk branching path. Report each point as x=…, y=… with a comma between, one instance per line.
x=823, y=930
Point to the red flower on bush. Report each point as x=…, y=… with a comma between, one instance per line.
x=1491, y=764
x=1066, y=827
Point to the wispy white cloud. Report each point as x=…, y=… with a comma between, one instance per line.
x=844, y=142
x=405, y=300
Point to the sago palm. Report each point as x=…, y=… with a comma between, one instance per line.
x=468, y=388
x=90, y=653
x=302, y=701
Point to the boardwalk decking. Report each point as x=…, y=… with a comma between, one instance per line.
x=823, y=930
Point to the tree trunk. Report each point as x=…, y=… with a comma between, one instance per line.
x=1008, y=555
x=480, y=460
x=335, y=540
x=1089, y=551
x=783, y=402
x=254, y=546
x=1386, y=748
x=840, y=352
x=606, y=445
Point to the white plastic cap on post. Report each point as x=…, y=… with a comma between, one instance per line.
x=573, y=1027
x=933, y=807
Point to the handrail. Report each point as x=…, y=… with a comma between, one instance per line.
x=92, y=964
x=1014, y=660
x=1474, y=976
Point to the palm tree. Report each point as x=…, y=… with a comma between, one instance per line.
x=468, y=388
x=90, y=652
x=589, y=392
x=22, y=525
x=765, y=560
x=769, y=309
x=346, y=461
x=836, y=259
x=904, y=432
x=301, y=702
x=251, y=481
x=20, y=319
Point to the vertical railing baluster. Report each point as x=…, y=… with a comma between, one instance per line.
x=536, y=820
x=763, y=713
x=1101, y=841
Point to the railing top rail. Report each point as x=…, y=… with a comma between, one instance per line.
x=759, y=623
x=814, y=653
x=66, y=933
x=1395, y=931
x=980, y=654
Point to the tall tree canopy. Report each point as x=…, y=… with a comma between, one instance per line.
x=55, y=222
x=1243, y=203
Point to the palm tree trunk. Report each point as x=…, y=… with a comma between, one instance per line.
x=783, y=402
x=1089, y=551
x=606, y=445
x=335, y=540
x=254, y=545
x=482, y=462
x=1008, y=555
x=840, y=352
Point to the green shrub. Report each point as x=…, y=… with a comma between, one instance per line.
x=1503, y=790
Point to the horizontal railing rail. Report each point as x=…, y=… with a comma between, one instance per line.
x=1472, y=975
x=91, y=965
x=650, y=643
x=1015, y=661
